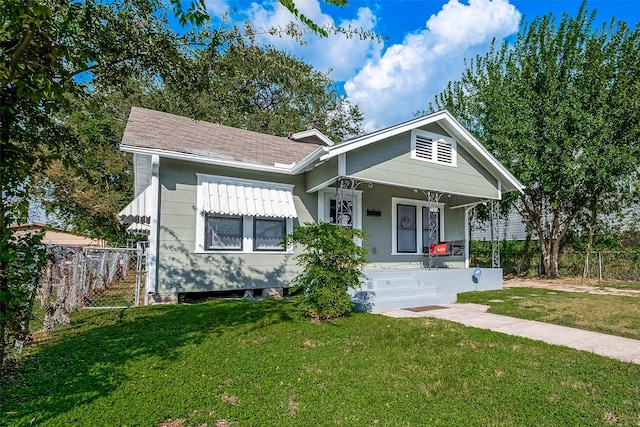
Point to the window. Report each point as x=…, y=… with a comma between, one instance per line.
x=416, y=225
x=432, y=147
x=268, y=233
x=223, y=232
x=240, y=215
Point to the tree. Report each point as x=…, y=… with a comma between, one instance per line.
x=240, y=83
x=50, y=50
x=560, y=107
x=233, y=82
x=97, y=182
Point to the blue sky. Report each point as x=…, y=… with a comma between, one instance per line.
x=426, y=42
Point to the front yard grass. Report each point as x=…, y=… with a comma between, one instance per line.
x=246, y=363
x=620, y=285
x=609, y=314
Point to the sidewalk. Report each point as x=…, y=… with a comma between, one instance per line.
x=475, y=315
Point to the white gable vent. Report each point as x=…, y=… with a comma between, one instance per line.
x=445, y=152
x=433, y=148
x=424, y=147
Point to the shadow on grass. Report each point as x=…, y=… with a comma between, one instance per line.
x=86, y=360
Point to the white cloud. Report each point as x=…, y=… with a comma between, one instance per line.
x=392, y=86
x=217, y=7
x=344, y=56
x=389, y=84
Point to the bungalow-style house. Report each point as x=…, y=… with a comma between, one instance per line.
x=217, y=202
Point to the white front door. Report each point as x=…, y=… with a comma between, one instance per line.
x=351, y=212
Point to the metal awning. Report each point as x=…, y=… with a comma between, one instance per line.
x=139, y=228
x=247, y=198
x=139, y=210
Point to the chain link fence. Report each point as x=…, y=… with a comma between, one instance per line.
x=519, y=258
x=613, y=266
x=78, y=278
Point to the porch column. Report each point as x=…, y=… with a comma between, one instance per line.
x=495, y=235
x=467, y=238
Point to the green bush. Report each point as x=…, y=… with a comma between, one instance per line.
x=332, y=263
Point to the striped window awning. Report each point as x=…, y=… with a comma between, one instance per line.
x=248, y=198
x=139, y=210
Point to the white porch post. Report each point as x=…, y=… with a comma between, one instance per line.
x=151, y=284
x=466, y=236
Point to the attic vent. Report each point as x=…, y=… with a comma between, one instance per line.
x=445, y=152
x=431, y=147
x=424, y=147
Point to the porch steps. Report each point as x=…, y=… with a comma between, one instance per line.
x=388, y=289
x=369, y=300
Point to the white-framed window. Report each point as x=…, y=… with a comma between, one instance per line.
x=238, y=215
x=416, y=225
x=432, y=147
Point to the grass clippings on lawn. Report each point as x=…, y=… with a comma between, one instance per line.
x=245, y=363
x=609, y=314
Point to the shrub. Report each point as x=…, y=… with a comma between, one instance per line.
x=332, y=262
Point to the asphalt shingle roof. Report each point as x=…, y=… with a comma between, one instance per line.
x=163, y=131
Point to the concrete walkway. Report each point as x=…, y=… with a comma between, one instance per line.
x=475, y=315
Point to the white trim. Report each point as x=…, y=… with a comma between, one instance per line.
x=151, y=284
x=247, y=240
x=466, y=236
x=322, y=185
x=499, y=167
x=309, y=133
x=395, y=201
x=284, y=169
x=203, y=177
x=470, y=205
x=247, y=221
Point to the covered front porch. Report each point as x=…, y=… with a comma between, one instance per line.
x=417, y=242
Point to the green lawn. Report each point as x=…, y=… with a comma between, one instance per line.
x=620, y=285
x=609, y=314
x=259, y=364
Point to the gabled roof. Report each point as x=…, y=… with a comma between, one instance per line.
x=448, y=123
x=168, y=135
x=155, y=132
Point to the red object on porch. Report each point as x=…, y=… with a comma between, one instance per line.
x=438, y=249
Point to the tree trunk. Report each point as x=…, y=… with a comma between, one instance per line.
x=592, y=225
x=4, y=280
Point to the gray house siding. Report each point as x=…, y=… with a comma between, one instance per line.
x=380, y=229
x=322, y=173
x=183, y=270
x=390, y=161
